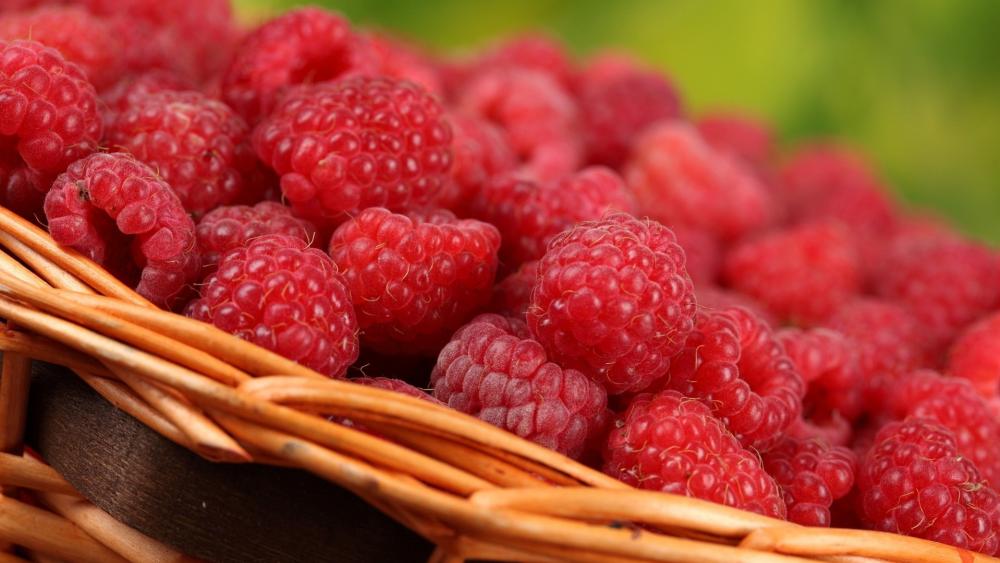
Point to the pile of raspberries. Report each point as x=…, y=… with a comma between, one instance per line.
x=556, y=246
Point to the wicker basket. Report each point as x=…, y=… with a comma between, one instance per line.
x=475, y=491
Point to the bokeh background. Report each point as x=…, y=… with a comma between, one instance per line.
x=915, y=84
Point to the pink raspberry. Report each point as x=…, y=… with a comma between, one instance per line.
x=714, y=298
x=344, y=146
x=975, y=356
x=733, y=363
x=398, y=59
x=197, y=144
x=668, y=442
x=226, y=228
x=530, y=214
x=742, y=136
x=533, y=52
x=618, y=100
x=802, y=274
x=280, y=294
x=680, y=180
x=885, y=337
x=812, y=474
x=481, y=153
x=50, y=119
x=914, y=482
x=493, y=370
x=512, y=296
x=307, y=45
x=614, y=300
x=105, y=200
x=415, y=279
x=537, y=115
x=704, y=254
x=134, y=88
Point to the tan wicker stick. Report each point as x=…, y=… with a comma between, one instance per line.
x=17, y=342
x=28, y=473
x=45, y=268
x=15, y=377
x=49, y=534
x=831, y=541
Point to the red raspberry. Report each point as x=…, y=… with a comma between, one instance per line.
x=104, y=200
x=531, y=52
x=613, y=300
x=739, y=135
x=975, y=356
x=280, y=294
x=134, y=88
x=481, y=153
x=668, y=442
x=512, y=296
x=703, y=252
x=529, y=214
x=537, y=115
x=397, y=385
x=713, y=298
x=618, y=100
x=50, y=119
x=914, y=482
x=226, y=228
x=802, y=274
x=493, y=370
x=944, y=281
x=307, y=45
x=812, y=474
x=680, y=180
x=344, y=146
x=415, y=279
x=197, y=144
x=733, y=363
x=398, y=59
x=884, y=336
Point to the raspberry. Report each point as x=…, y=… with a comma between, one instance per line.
x=197, y=144
x=49, y=120
x=613, y=300
x=884, y=336
x=529, y=214
x=415, y=279
x=104, y=200
x=481, y=153
x=713, y=298
x=538, y=117
x=944, y=281
x=400, y=60
x=618, y=100
x=802, y=274
x=397, y=385
x=914, y=482
x=133, y=89
x=975, y=356
x=81, y=37
x=512, y=296
x=703, y=252
x=733, y=363
x=680, y=180
x=307, y=45
x=812, y=474
x=361, y=142
x=493, y=370
x=739, y=135
x=226, y=228
x=531, y=52
x=667, y=442
x=280, y=294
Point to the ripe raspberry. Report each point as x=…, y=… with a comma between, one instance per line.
x=104, y=200
x=914, y=482
x=976, y=356
x=481, y=153
x=134, y=88
x=614, y=300
x=307, y=45
x=812, y=474
x=398, y=59
x=733, y=363
x=667, y=442
x=529, y=214
x=280, y=294
x=531, y=52
x=344, y=146
x=884, y=336
x=415, y=279
x=802, y=274
x=713, y=298
x=619, y=99
x=538, y=117
x=81, y=37
x=945, y=282
x=197, y=144
x=703, y=252
x=680, y=180
x=49, y=120
x=397, y=385
x=493, y=370
x=741, y=136
x=512, y=296
x=226, y=228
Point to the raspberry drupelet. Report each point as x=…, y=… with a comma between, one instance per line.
x=812, y=475
x=481, y=153
x=103, y=200
x=975, y=356
x=415, y=278
x=494, y=370
x=341, y=147
x=671, y=443
x=885, y=336
x=134, y=88
x=226, y=228
x=614, y=300
x=284, y=296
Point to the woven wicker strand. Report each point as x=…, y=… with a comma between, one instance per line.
x=474, y=490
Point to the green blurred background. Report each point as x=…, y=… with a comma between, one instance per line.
x=915, y=84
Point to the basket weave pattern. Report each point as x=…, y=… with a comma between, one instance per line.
x=475, y=491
